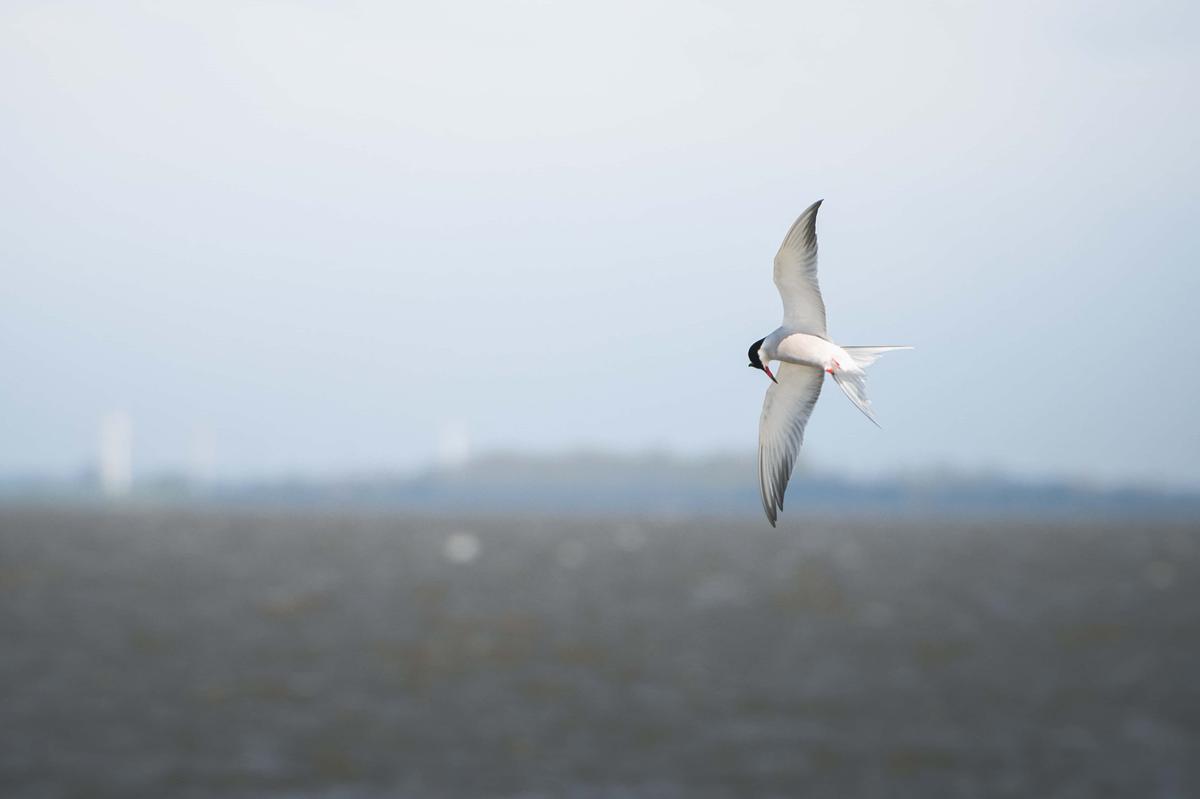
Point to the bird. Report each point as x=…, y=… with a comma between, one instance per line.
x=805, y=353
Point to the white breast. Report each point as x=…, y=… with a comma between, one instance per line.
x=809, y=350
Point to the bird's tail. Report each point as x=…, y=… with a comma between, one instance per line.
x=852, y=380
x=865, y=356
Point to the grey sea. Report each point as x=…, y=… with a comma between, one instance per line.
x=214, y=653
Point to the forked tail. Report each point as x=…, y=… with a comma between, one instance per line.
x=865, y=356
x=852, y=380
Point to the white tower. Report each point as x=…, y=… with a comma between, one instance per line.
x=116, y=454
x=453, y=447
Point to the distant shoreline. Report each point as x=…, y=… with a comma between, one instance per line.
x=609, y=485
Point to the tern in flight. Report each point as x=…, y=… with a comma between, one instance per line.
x=805, y=354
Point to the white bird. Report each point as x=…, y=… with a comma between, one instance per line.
x=805, y=353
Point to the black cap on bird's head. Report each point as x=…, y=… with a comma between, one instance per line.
x=756, y=361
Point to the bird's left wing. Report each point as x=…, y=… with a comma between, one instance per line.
x=785, y=412
x=796, y=276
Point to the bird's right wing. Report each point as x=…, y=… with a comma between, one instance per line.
x=785, y=412
x=796, y=276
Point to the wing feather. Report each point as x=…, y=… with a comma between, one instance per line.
x=796, y=276
x=786, y=410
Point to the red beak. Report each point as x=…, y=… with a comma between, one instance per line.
x=767, y=369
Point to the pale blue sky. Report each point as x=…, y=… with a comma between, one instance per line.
x=324, y=232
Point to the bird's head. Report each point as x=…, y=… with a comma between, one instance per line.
x=757, y=360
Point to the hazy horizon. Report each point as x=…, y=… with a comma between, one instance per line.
x=727, y=467
x=316, y=240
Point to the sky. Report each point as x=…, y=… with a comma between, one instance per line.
x=319, y=238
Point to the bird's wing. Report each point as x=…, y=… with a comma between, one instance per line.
x=796, y=276
x=785, y=412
